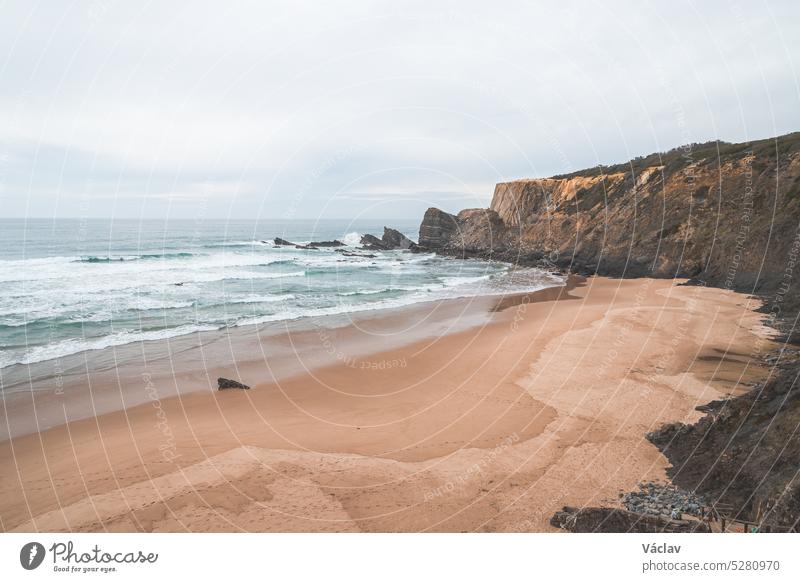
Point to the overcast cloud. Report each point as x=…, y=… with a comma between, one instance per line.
x=373, y=109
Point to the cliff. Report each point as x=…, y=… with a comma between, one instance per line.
x=726, y=214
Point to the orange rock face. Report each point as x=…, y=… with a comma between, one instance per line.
x=726, y=214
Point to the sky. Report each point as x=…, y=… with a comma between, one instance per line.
x=278, y=110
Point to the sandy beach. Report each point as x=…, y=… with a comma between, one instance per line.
x=493, y=427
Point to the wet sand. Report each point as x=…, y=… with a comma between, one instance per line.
x=492, y=427
x=40, y=396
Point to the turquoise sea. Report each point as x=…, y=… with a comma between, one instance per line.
x=68, y=286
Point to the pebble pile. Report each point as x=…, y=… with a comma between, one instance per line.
x=659, y=499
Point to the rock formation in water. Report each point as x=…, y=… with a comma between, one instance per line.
x=312, y=246
x=392, y=240
x=326, y=244
x=395, y=239
x=371, y=242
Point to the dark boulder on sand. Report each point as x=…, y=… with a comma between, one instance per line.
x=227, y=384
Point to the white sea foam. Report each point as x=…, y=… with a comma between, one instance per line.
x=257, y=299
x=68, y=269
x=83, y=308
x=352, y=239
x=366, y=292
x=454, y=281
x=451, y=290
x=75, y=346
x=45, y=302
x=246, y=243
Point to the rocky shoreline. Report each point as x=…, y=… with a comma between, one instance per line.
x=718, y=214
x=744, y=454
x=613, y=520
x=740, y=461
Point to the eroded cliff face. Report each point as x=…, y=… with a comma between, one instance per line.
x=727, y=214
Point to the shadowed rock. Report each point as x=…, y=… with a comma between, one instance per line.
x=744, y=453
x=345, y=253
x=473, y=232
x=394, y=239
x=371, y=242
x=326, y=243
x=280, y=242
x=437, y=228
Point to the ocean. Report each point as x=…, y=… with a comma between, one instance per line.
x=68, y=286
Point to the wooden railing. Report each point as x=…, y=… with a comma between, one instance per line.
x=722, y=512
